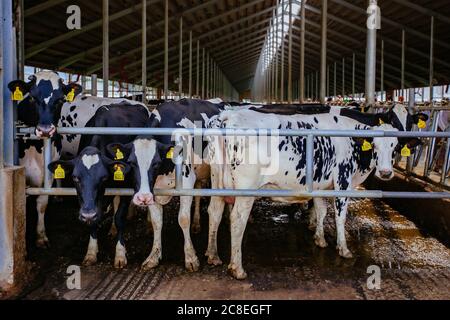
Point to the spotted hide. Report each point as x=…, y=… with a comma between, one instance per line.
x=339, y=164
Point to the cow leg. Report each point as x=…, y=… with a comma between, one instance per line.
x=215, y=211
x=238, y=222
x=196, y=223
x=340, y=216
x=312, y=222
x=41, y=206
x=120, y=259
x=91, y=255
x=184, y=220
x=156, y=214
x=320, y=209
x=113, y=230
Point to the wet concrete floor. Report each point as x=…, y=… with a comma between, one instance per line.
x=279, y=255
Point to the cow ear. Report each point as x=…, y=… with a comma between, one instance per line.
x=56, y=166
x=77, y=89
x=118, y=151
x=419, y=116
x=152, y=122
x=23, y=86
x=115, y=165
x=165, y=150
x=360, y=140
x=413, y=142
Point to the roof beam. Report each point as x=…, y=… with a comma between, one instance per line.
x=30, y=52
x=136, y=33
x=385, y=20
x=423, y=10
x=41, y=7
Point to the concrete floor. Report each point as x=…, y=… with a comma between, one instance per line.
x=279, y=255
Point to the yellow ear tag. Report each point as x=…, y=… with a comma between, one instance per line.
x=406, y=152
x=17, y=95
x=421, y=124
x=381, y=122
x=366, y=146
x=59, y=172
x=169, y=154
x=119, y=155
x=118, y=174
x=71, y=95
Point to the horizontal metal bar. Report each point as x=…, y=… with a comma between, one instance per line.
x=252, y=193
x=244, y=132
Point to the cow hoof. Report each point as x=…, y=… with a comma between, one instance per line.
x=236, y=272
x=196, y=228
x=89, y=260
x=192, y=264
x=120, y=262
x=214, y=260
x=150, y=263
x=320, y=242
x=345, y=253
x=42, y=242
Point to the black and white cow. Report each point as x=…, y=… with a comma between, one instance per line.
x=44, y=106
x=94, y=169
x=152, y=169
x=339, y=163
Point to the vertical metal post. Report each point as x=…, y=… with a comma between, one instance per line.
x=323, y=51
x=302, y=53
x=2, y=81
x=335, y=79
x=430, y=152
x=282, y=53
x=317, y=86
x=166, y=49
x=343, y=78
x=371, y=51
x=47, y=159
x=353, y=74
x=105, y=47
x=307, y=86
x=94, y=85
x=290, y=55
x=446, y=162
x=178, y=163
x=402, y=76
x=203, y=75
x=328, y=80
x=383, y=98
x=207, y=75
x=20, y=39
x=431, y=58
x=190, y=64
x=309, y=162
x=197, y=85
x=144, y=51
x=180, y=61
x=7, y=73
x=276, y=55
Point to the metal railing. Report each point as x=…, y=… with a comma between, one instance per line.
x=179, y=191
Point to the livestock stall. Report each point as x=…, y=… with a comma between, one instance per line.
x=272, y=52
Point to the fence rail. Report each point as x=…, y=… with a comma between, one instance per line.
x=179, y=191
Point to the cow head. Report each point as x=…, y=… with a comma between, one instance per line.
x=45, y=93
x=399, y=117
x=145, y=156
x=90, y=171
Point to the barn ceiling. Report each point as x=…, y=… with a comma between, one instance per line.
x=233, y=32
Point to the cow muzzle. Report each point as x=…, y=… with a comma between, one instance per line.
x=385, y=174
x=88, y=217
x=143, y=199
x=45, y=130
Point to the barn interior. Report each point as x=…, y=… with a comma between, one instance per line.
x=268, y=51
